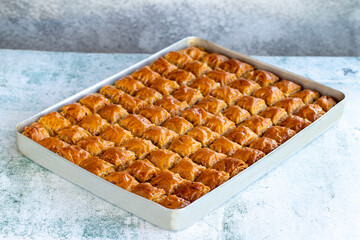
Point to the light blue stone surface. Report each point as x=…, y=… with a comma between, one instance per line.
x=312, y=195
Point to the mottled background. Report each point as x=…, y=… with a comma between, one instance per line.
x=259, y=27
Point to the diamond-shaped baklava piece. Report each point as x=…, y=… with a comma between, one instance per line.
x=74, y=112
x=228, y=94
x=311, y=112
x=245, y=86
x=214, y=60
x=160, y=136
x=36, y=131
x=112, y=93
x=94, y=124
x=211, y=104
x=237, y=67
x=167, y=180
x=270, y=94
x=262, y=77
x=188, y=94
x=116, y=134
x=196, y=115
x=264, y=144
x=174, y=202
x=119, y=157
x=257, y=124
x=132, y=104
x=248, y=155
x=203, y=135
x=279, y=134
x=205, y=85
x=187, y=169
x=326, y=102
x=307, y=96
x=197, y=68
x=164, y=86
x=222, y=77
x=72, y=134
x=220, y=124
x=137, y=124
x=163, y=67
x=225, y=146
x=295, y=123
x=182, y=77
x=288, y=87
x=242, y=135
x=232, y=166
x=97, y=166
x=206, y=157
x=276, y=114
x=179, y=59
x=129, y=85
x=157, y=115
x=54, y=144
x=178, y=125
x=122, y=179
x=184, y=145
x=113, y=113
x=95, y=145
x=213, y=178
x=142, y=170
x=172, y=105
x=145, y=75
x=146, y=190
x=192, y=190
x=196, y=53
x=141, y=147
x=54, y=122
x=74, y=154
x=148, y=95
x=252, y=104
x=163, y=158
x=291, y=105
x=236, y=114
x=94, y=101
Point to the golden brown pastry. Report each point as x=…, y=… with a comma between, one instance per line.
x=196, y=115
x=112, y=93
x=264, y=144
x=252, y=104
x=143, y=170
x=206, y=157
x=122, y=179
x=197, y=68
x=36, y=131
x=145, y=75
x=164, y=86
x=74, y=154
x=94, y=124
x=205, y=85
x=228, y=94
x=188, y=94
x=220, y=124
x=214, y=60
x=132, y=104
x=179, y=59
x=187, y=169
x=163, y=158
x=213, y=178
x=163, y=67
x=270, y=94
x=232, y=166
x=97, y=166
x=237, y=67
x=52, y=143
x=136, y=124
x=182, y=77
x=148, y=94
x=263, y=78
x=326, y=102
x=196, y=53
x=94, y=101
x=276, y=114
x=184, y=145
x=157, y=115
x=119, y=157
x=54, y=122
x=279, y=134
x=248, y=155
x=236, y=114
x=160, y=136
x=116, y=134
x=172, y=105
x=174, y=202
x=242, y=135
x=113, y=113
x=311, y=112
x=295, y=123
x=245, y=86
x=95, y=145
x=129, y=85
x=203, y=135
x=288, y=87
x=257, y=124
x=167, y=180
x=291, y=105
x=225, y=146
x=178, y=125
x=141, y=147
x=74, y=112
x=192, y=191
x=211, y=104
x=72, y=134
x=307, y=96
x=146, y=190
x=222, y=77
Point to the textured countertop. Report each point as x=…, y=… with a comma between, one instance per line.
x=312, y=195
